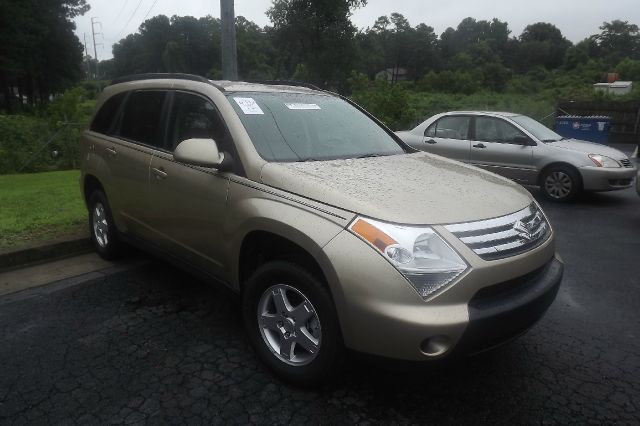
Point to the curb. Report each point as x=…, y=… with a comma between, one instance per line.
x=53, y=250
x=86, y=278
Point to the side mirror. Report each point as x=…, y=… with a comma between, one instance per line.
x=203, y=153
x=523, y=140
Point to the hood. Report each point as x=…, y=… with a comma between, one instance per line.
x=417, y=188
x=588, y=148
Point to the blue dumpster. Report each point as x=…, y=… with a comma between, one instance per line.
x=593, y=128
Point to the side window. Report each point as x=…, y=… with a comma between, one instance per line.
x=453, y=127
x=103, y=121
x=195, y=117
x=141, y=117
x=431, y=131
x=490, y=129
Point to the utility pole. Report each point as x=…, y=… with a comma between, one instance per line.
x=229, y=51
x=95, y=50
x=86, y=57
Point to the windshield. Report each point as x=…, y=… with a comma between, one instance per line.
x=537, y=129
x=286, y=127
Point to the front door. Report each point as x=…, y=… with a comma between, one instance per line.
x=188, y=204
x=449, y=137
x=495, y=149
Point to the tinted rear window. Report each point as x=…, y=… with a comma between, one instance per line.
x=141, y=118
x=103, y=121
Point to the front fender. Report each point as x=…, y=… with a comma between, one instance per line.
x=257, y=208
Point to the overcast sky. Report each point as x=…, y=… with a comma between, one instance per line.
x=576, y=19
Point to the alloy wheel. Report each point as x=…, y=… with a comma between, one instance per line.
x=289, y=325
x=100, y=225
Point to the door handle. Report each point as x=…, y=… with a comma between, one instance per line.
x=479, y=145
x=160, y=174
x=430, y=141
x=111, y=152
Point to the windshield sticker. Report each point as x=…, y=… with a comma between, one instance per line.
x=303, y=106
x=249, y=106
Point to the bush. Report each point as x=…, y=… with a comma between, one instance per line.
x=20, y=137
x=23, y=138
x=388, y=102
x=450, y=82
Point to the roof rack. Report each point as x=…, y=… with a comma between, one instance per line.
x=287, y=83
x=158, y=76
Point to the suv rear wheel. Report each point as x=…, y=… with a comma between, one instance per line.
x=292, y=323
x=103, y=230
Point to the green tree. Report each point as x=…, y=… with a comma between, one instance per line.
x=619, y=39
x=629, y=69
x=542, y=44
x=39, y=52
x=317, y=34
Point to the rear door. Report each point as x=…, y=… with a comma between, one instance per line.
x=449, y=137
x=139, y=134
x=495, y=149
x=188, y=203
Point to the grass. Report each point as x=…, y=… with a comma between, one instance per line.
x=40, y=206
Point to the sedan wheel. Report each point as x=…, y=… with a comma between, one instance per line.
x=560, y=184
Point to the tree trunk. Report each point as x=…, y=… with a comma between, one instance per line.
x=20, y=84
x=6, y=92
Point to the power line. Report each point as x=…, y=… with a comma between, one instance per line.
x=124, y=5
x=149, y=11
x=130, y=18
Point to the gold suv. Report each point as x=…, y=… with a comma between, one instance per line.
x=335, y=233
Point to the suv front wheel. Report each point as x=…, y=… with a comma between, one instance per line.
x=292, y=323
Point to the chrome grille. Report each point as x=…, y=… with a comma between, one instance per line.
x=504, y=236
x=626, y=163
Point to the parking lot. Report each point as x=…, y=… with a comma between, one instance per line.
x=155, y=345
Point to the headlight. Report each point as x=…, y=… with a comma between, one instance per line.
x=602, y=161
x=419, y=253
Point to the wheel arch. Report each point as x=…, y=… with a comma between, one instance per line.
x=260, y=246
x=559, y=164
x=91, y=183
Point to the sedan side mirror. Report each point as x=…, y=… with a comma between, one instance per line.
x=203, y=153
x=523, y=140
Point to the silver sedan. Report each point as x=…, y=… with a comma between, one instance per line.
x=520, y=148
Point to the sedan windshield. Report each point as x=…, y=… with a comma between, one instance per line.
x=288, y=127
x=537, y=129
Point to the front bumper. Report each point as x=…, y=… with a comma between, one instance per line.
x=606, y=179
x=501, y=312
x=382, y=315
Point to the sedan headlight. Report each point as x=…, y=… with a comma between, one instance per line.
x=603, y=161
x=419, y=253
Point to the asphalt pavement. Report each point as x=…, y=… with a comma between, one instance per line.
x=150, y=344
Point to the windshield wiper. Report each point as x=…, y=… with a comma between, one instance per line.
x=371, y=155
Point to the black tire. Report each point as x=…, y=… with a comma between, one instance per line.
x=560, y=183
x=326, y=362
x=105, y=239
